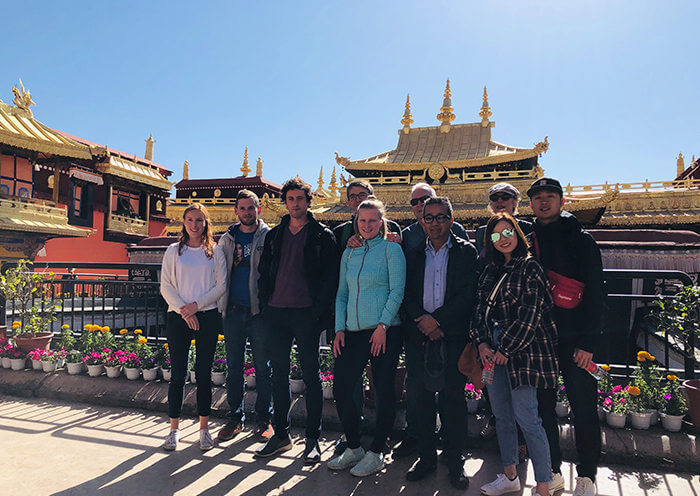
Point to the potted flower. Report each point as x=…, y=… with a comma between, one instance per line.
x=327, y=383
x=67, y=341
x=148, y=364
x=5, y=356
x=35, y=357
x=192, y=362
x=473, y=397
x=616, y=406
x=163, y=355
x=74, y=362
x=113, y=363
x=18, y=360
x=131, y=366
x=647, y=378
x=218, y=374
x=640, y=416
x=33, y=299
x=249, y=374
x=562, y=406
x=296, y=378
x=48, y=361
x=674, y=407
x=604, y=391
x=95, y=363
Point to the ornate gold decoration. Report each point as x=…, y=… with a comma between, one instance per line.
x=194, y=194
x=37, y=216
x=320, y=179
x=333, y=186
x=23, y=98
x=407, y=120
x=446, y=116
x=245, y=168
x=128, y=225
x=258, y=167
x=217, y=193
x=485, y=111
x=542, y=146
x=344, y=161
x=149, y=148
x=680, y=165
x=436, y=171
x=186, y=170
x=343, y=181
x=271, y=203
x=159, y=205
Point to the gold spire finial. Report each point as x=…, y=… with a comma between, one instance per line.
x=149, y=147
x=333, y=185
x=343, y=181
x=407, y=120
x=320, y=179
x=245, y=168
x=680, y=165
x=258, y=167
x=446, y=116
x=23, y=98
x=485, y=111
x=186, y=170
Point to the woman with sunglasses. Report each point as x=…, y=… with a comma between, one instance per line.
x=514, y=330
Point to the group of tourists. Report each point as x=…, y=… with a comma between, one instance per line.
x=527, y=301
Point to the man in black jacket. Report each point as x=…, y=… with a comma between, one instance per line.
x=440, y=287
x=298, y=281
x=564, y=247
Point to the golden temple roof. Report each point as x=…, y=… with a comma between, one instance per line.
x=18, y=128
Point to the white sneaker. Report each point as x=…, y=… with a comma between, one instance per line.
x=372, y=462
x=557, y=483
x=585, y=487
x=348, y=459
x=205, y=441
x=171, y=441
x=501, y=485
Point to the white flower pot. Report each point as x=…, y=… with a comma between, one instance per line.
x=250, y=381
x=218, y=378
x=60, y=363
x=6, y=364
x=562, y=409
x=640, y=420
x=654, y=417
x=167, y=374
x=671, y=423
x=616, y=420
x=36, y=365
x=18, y=363
x=48, y=366
x=327, y=392
x=95, y=370
x=74, y=368
x=297, y=386
x=113, y=372
x=150, y=374
x=193, y=377
x=473, y=405
x=132, y=373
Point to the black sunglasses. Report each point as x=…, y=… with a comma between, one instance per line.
x=416, y=201
x=496, y=197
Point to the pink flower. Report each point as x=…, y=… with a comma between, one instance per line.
x=668, y=396
x=607, y=402
x=622, y=400
x=617, y=389
x=470, y=387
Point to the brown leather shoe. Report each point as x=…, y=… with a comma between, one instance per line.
x=263, y=432
x=230, y=430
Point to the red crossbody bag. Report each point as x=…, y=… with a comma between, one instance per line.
x=566, y=292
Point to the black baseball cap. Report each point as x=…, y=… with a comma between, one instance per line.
x=545, y=183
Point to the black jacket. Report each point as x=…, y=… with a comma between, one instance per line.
x=566, y=248
x=344, y=231
x=320, y=266
x=456, y=311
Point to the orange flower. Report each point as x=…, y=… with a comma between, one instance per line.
x=634, y=391
x=221, y=337
x=123, y=331
x=605, y=367
x=138, y=331
x=166, y=346
x=16, y=324
x=651, y=358
x=104, y=329
x=192, y=342
x=143, y=340
x=672, y=377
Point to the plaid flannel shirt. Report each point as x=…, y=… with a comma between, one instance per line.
x=524, y=309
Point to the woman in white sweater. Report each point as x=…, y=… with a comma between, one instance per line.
x=193, y=278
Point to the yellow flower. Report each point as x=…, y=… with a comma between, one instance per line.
x=166, y=346
x=641, y=358
x=221, y=337
x=143, y=340
x=651, y=358
x=634, y=391
x=93, y=328
x=65, y=326
x=138, y=331
x=672, y=377
x=16, y=324
x=104, y=329
x=192, y=342
x=123, y=331
x=605, y=367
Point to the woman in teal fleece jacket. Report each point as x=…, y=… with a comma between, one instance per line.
x=370, y=292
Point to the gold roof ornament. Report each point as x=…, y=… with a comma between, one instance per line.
x=333, y=185
x=680, y=165
x=258, y=167
x=186, y=170
x=446, y=116
x=23, y=98
x=245, y=168
x=343, y=181
x=407, y=120
x=149, y=148
x=341, y=160
x=320, y=179
x=485, y=112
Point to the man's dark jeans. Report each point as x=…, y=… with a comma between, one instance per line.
x=283, y=326
x=240, y=325
x=582, y=392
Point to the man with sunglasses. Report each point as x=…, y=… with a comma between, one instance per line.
x=562, y=246
x=503, y=197
x=413, y=238
x=440, y=288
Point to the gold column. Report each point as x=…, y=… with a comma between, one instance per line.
x=56, y=182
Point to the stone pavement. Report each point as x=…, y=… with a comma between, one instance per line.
x=52, y=447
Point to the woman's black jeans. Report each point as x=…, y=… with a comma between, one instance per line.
x=348, y=373
x=179, y=338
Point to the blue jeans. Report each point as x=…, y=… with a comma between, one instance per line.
x=240, y=325
x=519, y=405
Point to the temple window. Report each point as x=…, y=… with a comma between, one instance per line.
x=15, y=176
x=81, y=203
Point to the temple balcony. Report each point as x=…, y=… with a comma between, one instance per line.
x=30, y=215
x=127, y=225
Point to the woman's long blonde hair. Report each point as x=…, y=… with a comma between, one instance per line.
x=207, y=236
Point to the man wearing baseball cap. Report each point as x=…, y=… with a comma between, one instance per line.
x=503, y=197
x=567, y=252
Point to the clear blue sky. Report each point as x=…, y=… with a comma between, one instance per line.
x=614, y=84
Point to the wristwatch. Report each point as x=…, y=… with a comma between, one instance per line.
x=383, y=326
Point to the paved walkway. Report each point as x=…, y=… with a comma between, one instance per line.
x=58, y=448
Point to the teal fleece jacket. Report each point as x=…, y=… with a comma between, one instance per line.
x=371, y=286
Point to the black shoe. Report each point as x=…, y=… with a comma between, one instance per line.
x=340, y=446
x=406, y=447
x=421, y=470
x=458, y=478
x=312, y=451
x=273, y=446
x=230, y=430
